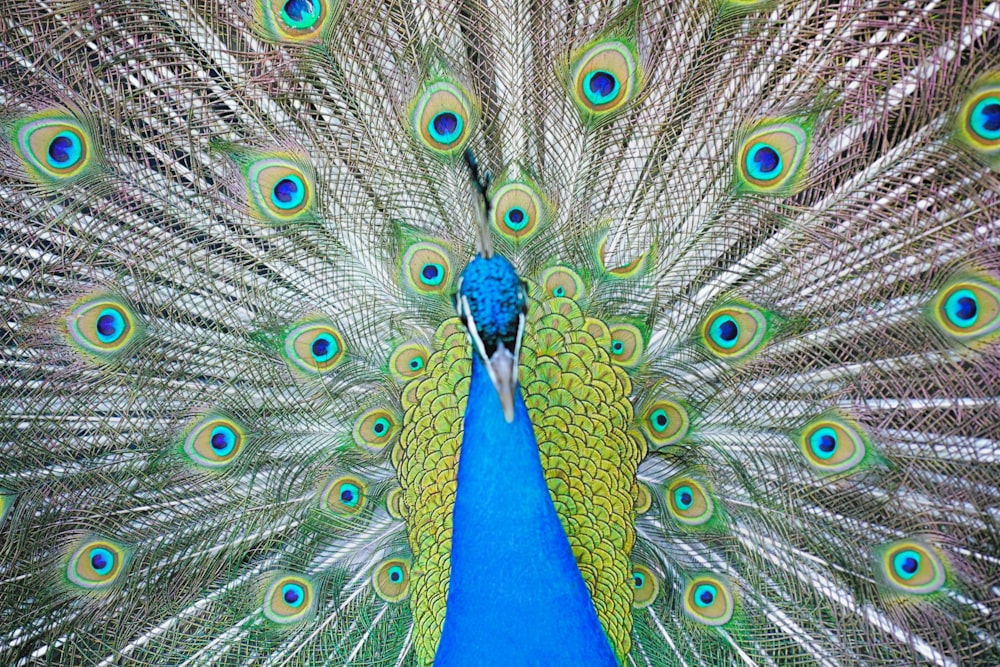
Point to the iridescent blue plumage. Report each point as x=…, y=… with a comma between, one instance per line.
x=516, y=595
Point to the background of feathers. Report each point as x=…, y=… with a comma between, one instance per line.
x=179, y=98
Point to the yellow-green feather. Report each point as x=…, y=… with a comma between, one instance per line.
x=578, y=401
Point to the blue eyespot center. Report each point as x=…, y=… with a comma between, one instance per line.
x=823, y=442
x=288, y=193
x=725, y=332
x=763, y=162
x=293, y=594
x=300, y=13
x=324, y=347
x=684, y=497
x=559, y=291
x=638, y=579
x=962, y=308
x=446, y=127
x=101, y=560
x=349, y=494
x=395, y=574
x=381, y=426
x=659, y=420
x=223, y=440
x=601, y=87
x=704, y=595
x=516, y=218
x=617, y=347
x=64, y=150
x=986, y=118
x=906, y=563
x=110, y=325
x=416, y=363
x=432, y=274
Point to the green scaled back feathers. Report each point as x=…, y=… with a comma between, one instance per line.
x=762, y=249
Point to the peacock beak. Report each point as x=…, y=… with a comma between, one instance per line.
x=502, y=367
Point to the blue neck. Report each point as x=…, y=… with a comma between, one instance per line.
x=516, y=596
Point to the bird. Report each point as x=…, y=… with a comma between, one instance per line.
x=613, y=332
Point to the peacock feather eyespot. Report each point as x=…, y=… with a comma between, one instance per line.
x=442, y=118
x=391, y=579
x=301, y=21
x=832, y=444
x=644, y=500
x=96, y=564
x=910, y=566
x=734, y=331
x=53, y=147
x=345, y=495
x=665, y=422
x=772, y=158
x=280, y=190
x=645, y=586
x=517, y=212
x=427, y=269
x=409, y=361
x=979, y=119
x=630, y=270
x=214, y=441
x=968, y=309
x=564, y=283
x=289, y=598
x=688, y=501
x=101, y=326
x=314, y=347
x=394, y=503
x=708, y=600
x=375, y=428
x=604, y=77
x=627, y=345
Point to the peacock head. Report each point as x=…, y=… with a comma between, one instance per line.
x=492, y=302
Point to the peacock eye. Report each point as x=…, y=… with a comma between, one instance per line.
x=984, y=120
x=771, y=159
x=909, y=566
x=427, y=269
x=969, y=309
x=314, y=348
x=517, y=211
x=95, y=565
x=832, y=445
x=391, y=579
x=298, y=20
x=214, y=442
x=288, y=599
x=734, y=332
x=101, y=326
x=375, y=428
x=301, y=14
x=979, y=120
x=561, y=282
x=605, y=77
x=665, y=422
x=708, y=600
x=409, y=361
x=441, y=118
x=688, y=501
x=345, y=495
x=645, y=499
x=53, y=148
x=280, y=190
x=644, y=586
x=626, y=345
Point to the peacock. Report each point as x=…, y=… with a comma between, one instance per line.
x=498, y=332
